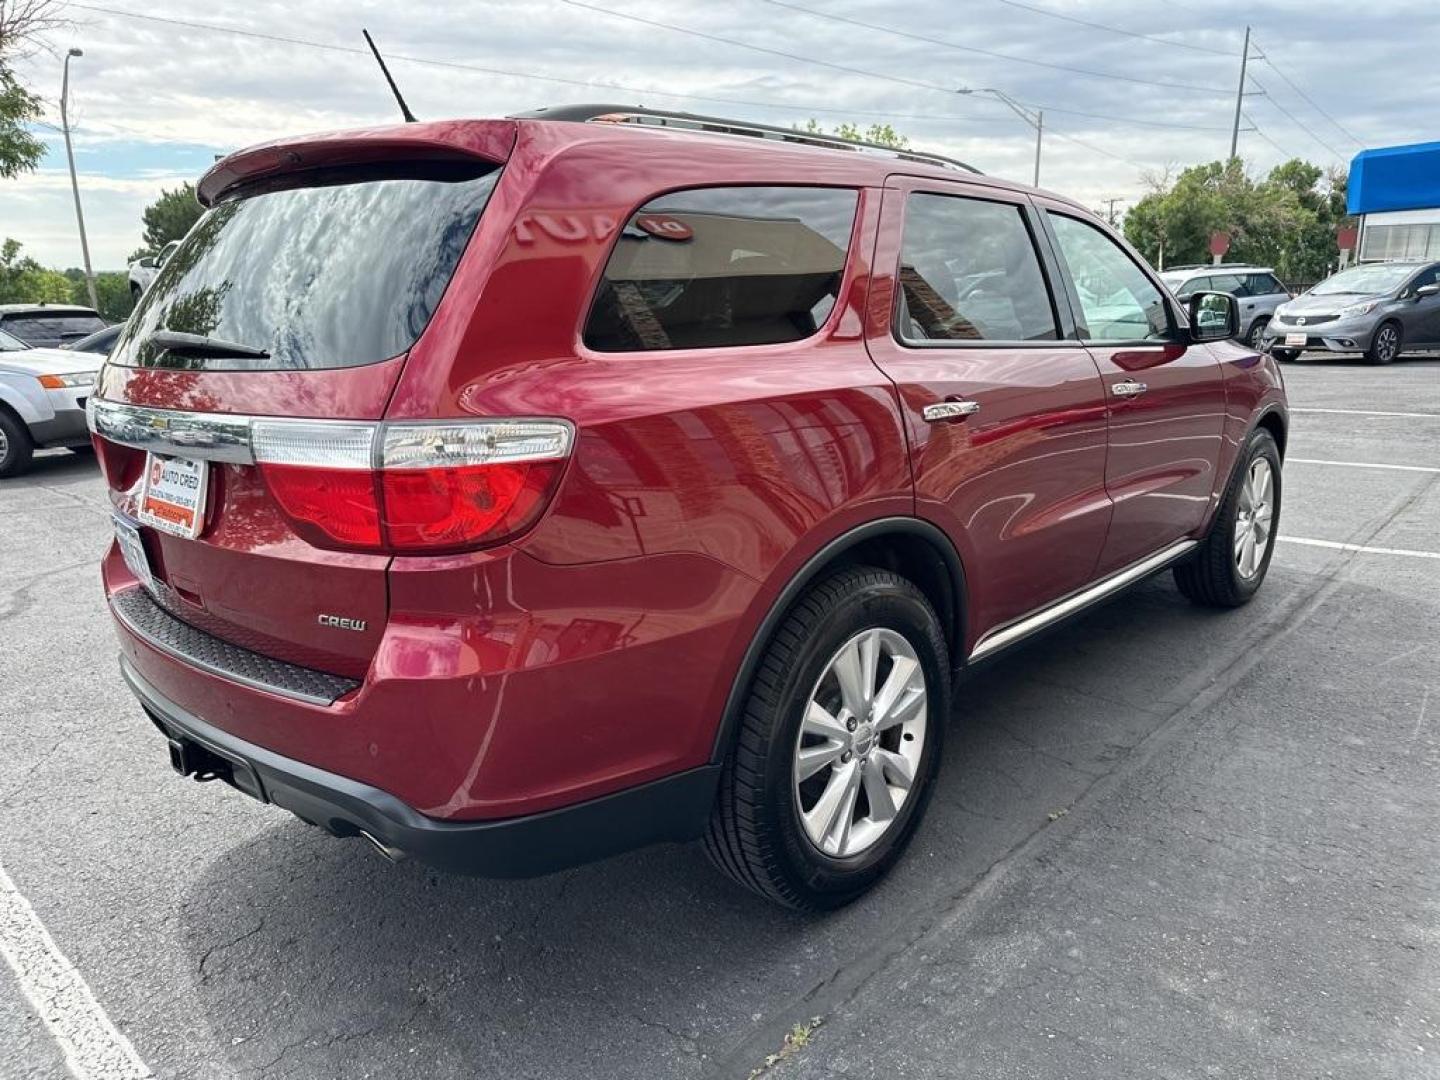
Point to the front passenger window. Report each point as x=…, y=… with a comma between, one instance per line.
x=1117, y=300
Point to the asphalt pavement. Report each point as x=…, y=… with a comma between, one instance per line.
x=1166, y=843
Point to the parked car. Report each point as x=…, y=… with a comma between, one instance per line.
x=1378, y=309
x=100, y=342
x=1257, y=289
x=42, y=400
x=48, y=326
x=650, y=483
x=144, y=269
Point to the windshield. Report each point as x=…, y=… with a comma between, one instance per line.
x=325, y=269
x=1365, y=280
x=9, y=343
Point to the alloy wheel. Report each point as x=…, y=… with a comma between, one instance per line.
x=860, y=742
x=1386, y=341
x=1254, y=517
x=4, y=445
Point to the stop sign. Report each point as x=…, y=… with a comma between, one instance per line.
x=1345, y=237
x=1219, y=243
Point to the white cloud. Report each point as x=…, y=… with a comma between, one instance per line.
x=151, y=100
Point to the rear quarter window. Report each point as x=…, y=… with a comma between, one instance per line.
x=723, y=266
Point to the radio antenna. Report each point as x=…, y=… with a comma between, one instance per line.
x=404, y=109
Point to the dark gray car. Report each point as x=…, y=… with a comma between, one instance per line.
x=1256, y=289
x=1377, y=309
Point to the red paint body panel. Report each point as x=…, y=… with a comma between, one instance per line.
x=597, y=651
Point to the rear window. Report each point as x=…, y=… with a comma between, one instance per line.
x=53, y=327
x=325, y=269
x=724, y=266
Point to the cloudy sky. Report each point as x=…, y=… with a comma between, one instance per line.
x=1129, y=87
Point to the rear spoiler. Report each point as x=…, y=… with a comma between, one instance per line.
x=488, y=140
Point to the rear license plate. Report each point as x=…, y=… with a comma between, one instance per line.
x=133, y=552
x=1296, y=339
x=172, y=496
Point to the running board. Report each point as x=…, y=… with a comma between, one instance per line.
x=1006, y=636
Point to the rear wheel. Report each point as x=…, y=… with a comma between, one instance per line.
x=1385, y=345
x=838, y=744
x=1226, y=570
x=16, y=445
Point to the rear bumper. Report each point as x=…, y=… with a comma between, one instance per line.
x=674, y=808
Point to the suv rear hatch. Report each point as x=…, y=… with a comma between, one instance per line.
x=266, y=351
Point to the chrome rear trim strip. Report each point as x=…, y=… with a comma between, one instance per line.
x=999, y=639
x=212, y=436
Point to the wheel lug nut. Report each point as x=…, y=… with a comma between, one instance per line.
x=851, y=724
x=845, y=757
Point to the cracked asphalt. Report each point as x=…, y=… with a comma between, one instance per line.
x=1166, y=843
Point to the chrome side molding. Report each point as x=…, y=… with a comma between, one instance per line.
x=212, y=436
x=1005, y=636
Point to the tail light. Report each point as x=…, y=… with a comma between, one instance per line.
x=411, y=488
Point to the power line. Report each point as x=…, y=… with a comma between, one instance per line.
x=1311, y=101
x=589, y=85
x=1113, y=29
x=1008, y=57
x=900, y=79
x=1295, y=119
x=1256, y=128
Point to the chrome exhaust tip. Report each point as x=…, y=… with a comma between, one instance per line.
x=391, y=854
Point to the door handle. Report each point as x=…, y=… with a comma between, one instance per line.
x=1128, y=388
x=949, y=410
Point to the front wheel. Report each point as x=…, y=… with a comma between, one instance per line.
x=16, y=445
x=838, y=744
x=1256, y=336
x=1226, y=570
x=1385, y=345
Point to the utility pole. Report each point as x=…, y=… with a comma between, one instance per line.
x=1110, y=210
x=1240, y=96
x=74, y=183
x=1034, y=117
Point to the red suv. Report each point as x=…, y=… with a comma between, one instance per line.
x=515, y=492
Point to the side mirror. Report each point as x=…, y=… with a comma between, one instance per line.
x=1214, y=316
x=148, y=262
x=1427, y=290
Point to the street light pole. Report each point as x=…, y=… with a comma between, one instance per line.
x=74, y=182
x=1034, y=117
x=1240, y=96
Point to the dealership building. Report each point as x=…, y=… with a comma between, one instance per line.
x=1395, y=192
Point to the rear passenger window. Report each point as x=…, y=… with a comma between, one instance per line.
x=724, y=267
x=969, y=272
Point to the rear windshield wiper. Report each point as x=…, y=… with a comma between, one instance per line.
x=199, y=345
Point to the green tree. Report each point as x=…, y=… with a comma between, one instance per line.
x=169, y=217
x=883, y=134
x=20, y=151
x=1286, y=220
x=25, y=281
x=112, y=290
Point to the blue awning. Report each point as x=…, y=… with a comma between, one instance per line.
x=1395, y=178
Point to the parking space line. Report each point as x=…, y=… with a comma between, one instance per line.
x=93, y=1047
x=1370, y=412
x=1363, y=465
x=1363, y=548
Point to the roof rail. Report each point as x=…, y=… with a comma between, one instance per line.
x=631, y=114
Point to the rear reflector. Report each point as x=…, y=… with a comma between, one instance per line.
x=418, y=488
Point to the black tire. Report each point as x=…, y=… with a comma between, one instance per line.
x=19, y=446
x=1385, y=343
x=755, y=835
x=1210, y=576
x=1285, y=355
x=1256, y=332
